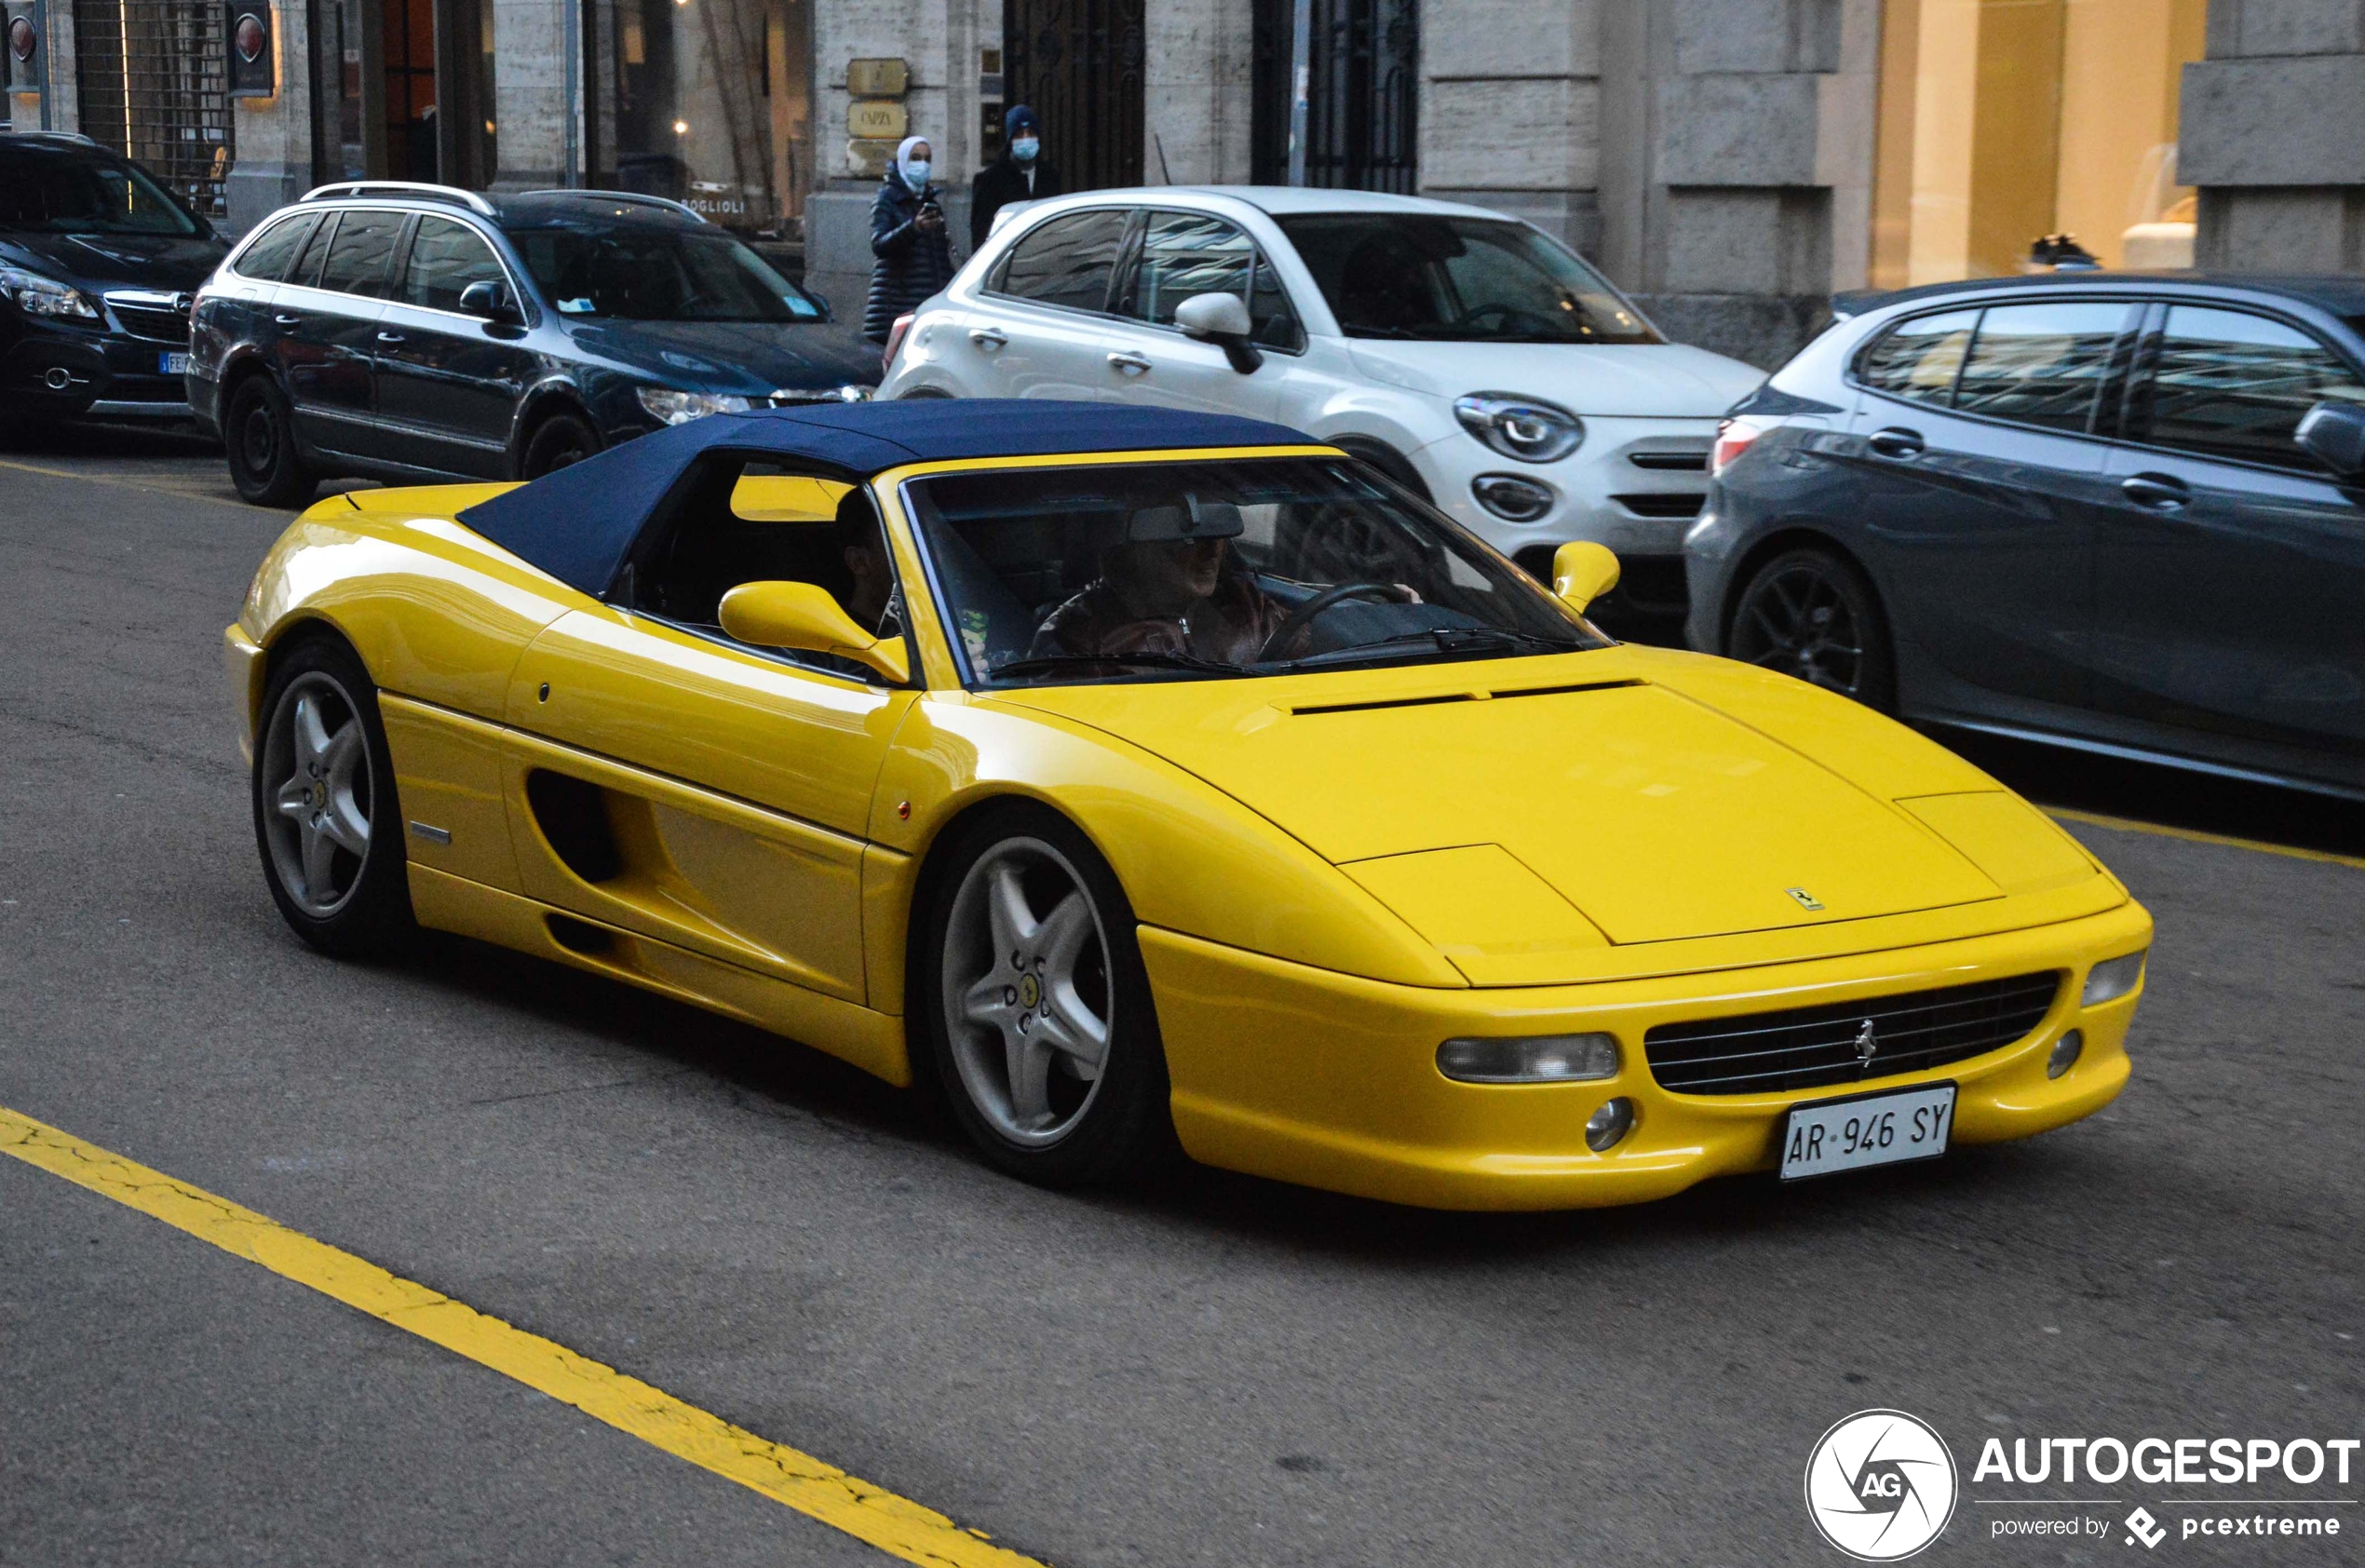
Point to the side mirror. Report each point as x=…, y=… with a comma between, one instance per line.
x=489, y=301
x=803, y=615
x=1220, y=320
x=2334, y=435
x=1582, y=572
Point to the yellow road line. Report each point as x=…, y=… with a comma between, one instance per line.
x=893, y=1524
x=2127, y=825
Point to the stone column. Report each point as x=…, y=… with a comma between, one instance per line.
x=940, y=40
x=1196, y=105
x=528, y=91
x=271, y=138
x=1510, y=110
x=2272, y=130
x=1736, y=155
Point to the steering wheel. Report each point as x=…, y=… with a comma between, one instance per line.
x=1497, y=308
x=1296, y=621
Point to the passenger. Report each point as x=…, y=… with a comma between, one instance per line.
x=1170, y=585
x=863, y=549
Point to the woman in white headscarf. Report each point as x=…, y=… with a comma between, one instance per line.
x=912, y=249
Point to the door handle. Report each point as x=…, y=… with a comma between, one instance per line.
x=1131, y=364
x=390, y=337
x=286, y=320
x=1895, y=442
x=2156, y=491
x=987, y=338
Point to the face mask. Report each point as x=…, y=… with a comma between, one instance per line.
x=915, y=174
x=1024, y=149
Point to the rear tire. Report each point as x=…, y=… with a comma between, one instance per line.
x=559, y=441
x=1030, y=1008
x=258, y=434
x=326, y=815
x=1814, y=615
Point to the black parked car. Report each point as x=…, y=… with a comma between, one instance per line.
x=98, y=263
x=416, y=333
x=2117, y=511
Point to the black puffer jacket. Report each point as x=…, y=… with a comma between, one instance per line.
x=909, y=266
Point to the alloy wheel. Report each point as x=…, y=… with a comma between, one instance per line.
x=1800, y=621
x=316, y=780
x=1028, y=1004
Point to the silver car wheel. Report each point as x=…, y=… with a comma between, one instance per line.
x=314, y=782
x=1028, y=1005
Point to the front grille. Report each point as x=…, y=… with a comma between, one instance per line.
x=1663, y=504
x=1813, y=1047
x=156, y=321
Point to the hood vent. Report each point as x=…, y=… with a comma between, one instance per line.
x=1431, y=701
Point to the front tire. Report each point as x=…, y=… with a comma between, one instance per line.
x=326, y=815
x=258, y=434
x=559, y=441
x=1032, y=1008
x=1810, y=614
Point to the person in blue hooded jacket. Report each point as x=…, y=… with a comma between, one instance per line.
x=1021, y=173
x=912, y=249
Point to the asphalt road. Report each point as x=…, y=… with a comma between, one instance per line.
x=1217, y=1371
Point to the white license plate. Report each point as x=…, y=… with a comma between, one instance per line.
x=1867, y=1129
x=172, y=364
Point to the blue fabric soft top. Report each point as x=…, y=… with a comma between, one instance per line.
x=578, y=524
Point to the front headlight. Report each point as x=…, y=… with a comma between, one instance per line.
x=1526, y=429
x=36, y=295
x=680, y=408
x=2113, y=978
x=1535, y=1059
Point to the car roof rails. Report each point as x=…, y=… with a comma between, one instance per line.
x=411, y=188
x=634, y=196
x=73, y=135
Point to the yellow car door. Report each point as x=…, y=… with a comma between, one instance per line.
x=671, y=782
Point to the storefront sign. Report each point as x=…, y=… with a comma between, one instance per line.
x=253, y=62
x=25, y=50
x=878, y=118
x=878, y=78
x=869, y=157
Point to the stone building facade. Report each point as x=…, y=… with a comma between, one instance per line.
x=1732, y=162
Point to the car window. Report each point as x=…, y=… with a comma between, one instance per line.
x=361, y=253
x=1187, y=253
x=315, y=250
x=1918, y=359
x=266, y=260
x=445, y=258
x=1444, y=279
x=1225, y=568
x=751, y=519
x=1068, y=261
x=2041, y=364
x=57, y=191
x=649, y=272
x=2227, y=384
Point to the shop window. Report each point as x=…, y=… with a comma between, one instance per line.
x=711, y=103
x=2005, y=121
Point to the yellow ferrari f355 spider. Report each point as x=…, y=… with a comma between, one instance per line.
x=1134, y=778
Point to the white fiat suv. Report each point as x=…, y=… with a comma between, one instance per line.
x=1468, y=356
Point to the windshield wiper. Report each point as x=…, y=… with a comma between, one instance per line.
x=1043, y=664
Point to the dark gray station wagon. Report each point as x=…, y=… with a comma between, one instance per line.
x=2120, y=512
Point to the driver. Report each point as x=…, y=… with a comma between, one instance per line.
x=1171, y=585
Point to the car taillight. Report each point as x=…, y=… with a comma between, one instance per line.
x=1732, y=438
x=894, y=341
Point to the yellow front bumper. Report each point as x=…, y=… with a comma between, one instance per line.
x=1295, y=1072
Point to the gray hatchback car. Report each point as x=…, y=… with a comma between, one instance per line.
x=2119, y=512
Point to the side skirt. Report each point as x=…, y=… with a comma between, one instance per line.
x=872, y=1041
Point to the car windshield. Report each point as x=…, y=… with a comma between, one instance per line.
x=643, y=273
x=60, y=192
x=1199, y=570
x=1395, y=274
